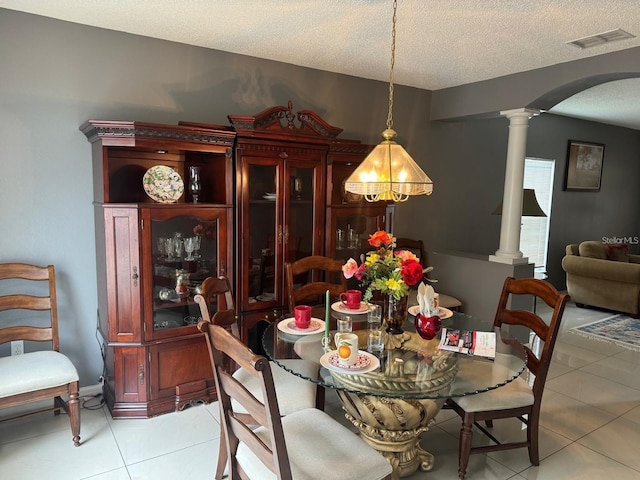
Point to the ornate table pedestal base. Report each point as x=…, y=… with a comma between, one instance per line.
x=409, y=390
x=393, y=427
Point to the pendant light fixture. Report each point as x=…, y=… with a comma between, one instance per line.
x=388, y=172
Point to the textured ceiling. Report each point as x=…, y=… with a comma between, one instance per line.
x=440, y=43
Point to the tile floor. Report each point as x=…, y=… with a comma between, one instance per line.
x=590, y=429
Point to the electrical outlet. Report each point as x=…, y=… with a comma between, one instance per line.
x=17, y=347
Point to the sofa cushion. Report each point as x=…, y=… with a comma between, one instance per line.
x=618, y=253
x=593, y=249
x=572, y=249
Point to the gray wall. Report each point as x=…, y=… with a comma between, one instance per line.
x=469, y=182
x=56, y=75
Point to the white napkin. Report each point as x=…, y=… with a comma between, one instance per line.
x=425, y=300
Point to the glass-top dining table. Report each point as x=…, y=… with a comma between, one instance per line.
x=393, y=397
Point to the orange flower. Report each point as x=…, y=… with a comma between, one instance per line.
x=381, y=239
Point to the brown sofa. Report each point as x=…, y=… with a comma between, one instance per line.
x=603, y=275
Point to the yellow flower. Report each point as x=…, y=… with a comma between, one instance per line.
x=372, y=258
x=393, y=284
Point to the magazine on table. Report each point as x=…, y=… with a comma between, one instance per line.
x=470, y=342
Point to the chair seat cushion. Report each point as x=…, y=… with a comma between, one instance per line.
x=318, y=447
x=35, y=371
x=293, y=393
x=515, y=394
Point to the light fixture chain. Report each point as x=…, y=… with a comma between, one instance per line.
x=393, y=61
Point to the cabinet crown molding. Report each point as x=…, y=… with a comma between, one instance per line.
x=270, y=121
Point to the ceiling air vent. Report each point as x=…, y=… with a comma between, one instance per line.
x=601, y=38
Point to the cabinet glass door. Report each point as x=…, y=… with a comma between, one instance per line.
x=185, y=250
x=261, y=235
x=301, y=219
x=351, y=228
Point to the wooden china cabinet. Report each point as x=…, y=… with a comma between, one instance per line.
x=152, y=257
x=281, y=159
x=290, y=202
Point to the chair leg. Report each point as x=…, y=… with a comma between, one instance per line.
x=532, y=438
x=74, y=416
x=466, y=435
x=222, y=456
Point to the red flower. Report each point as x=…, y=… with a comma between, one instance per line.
x=411, y=272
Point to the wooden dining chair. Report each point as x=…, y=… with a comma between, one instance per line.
x=303, y=445
x=517, y=398
x=293, y=392
x=38, y=375
x=417, y=247
x=315, y=274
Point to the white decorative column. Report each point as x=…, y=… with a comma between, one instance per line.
x=509, y=250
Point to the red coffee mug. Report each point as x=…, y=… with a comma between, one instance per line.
x=351, y=299
x=302, y=315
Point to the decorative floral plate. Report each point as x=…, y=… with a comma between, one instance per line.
x=342, y=308
x=366, y=363
x=163, y=184
x=288, y=325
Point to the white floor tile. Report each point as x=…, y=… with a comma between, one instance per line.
x=193, y=463
x=618, y=440
x=574, y=356
x=591, y=344
x=578, y=462
x=596, y=391
x=118, y=474
x=557, y=369
x=142, y=439
x=618, y=369
x=570, y=417
x=53, y=456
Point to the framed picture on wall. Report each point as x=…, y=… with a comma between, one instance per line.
x=584, y=166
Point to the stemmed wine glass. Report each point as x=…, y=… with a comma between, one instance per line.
x=169, y=248
x=189, y=247
x=197, y=239
x=161, y=248
x=194, y=183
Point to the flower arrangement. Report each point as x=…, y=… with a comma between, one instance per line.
x=391, y=272
x=205, y=230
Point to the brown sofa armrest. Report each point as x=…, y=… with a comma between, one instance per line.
x=602, y=269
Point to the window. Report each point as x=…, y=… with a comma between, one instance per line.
x=534, y=235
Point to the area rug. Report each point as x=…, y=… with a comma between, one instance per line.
x=620, y=329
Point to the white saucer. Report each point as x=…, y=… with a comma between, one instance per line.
x=442, y=312
x=369, y=363
x=342, y=308
x=288, y=325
